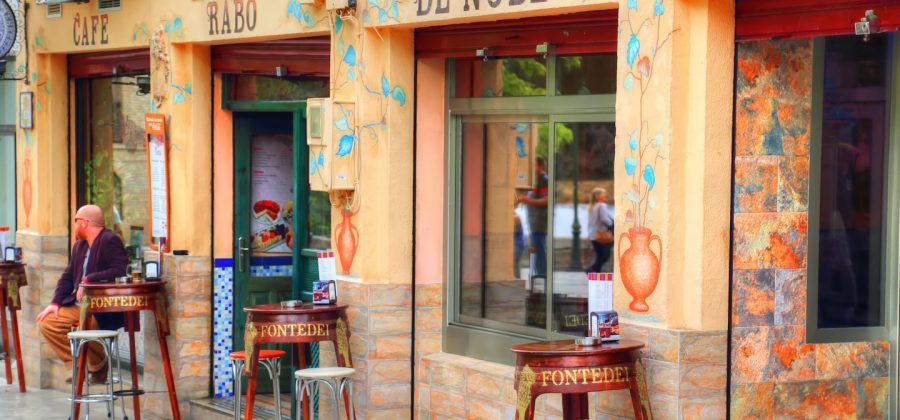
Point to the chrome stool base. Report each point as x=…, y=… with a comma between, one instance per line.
x=108, y=340
x=336, y=378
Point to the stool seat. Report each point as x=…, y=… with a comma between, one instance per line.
x=92, y=334
x=324, y=372
x=263, y=354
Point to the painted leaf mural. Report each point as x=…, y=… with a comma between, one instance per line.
x=634, y=47
x=345, y=146
x=520, y=147
x=399, y=95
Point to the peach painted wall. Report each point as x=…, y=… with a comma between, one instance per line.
x=223, y=175
x=430, y=173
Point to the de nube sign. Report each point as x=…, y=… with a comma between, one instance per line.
x=441, y=7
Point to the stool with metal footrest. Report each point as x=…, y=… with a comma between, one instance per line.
x=107, y=339
x=271, y=359
x=336, y=378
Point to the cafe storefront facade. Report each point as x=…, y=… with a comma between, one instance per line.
x=451, y=121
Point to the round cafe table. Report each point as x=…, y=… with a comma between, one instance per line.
x=308, y=323
x=562, y=367
x=130, y=299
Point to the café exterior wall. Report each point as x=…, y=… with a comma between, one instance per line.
x=774, y=371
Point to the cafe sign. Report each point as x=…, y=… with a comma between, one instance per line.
x=297, y=329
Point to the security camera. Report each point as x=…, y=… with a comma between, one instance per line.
x=143, y=83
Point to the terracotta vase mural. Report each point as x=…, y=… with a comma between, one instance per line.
x=639, y=265
x=347, y=240
x=26, y=190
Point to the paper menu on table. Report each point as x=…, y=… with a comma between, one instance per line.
x=600, y=292
x=327, y=269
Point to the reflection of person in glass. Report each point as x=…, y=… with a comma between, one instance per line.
x=536, y=201
x=600, y=227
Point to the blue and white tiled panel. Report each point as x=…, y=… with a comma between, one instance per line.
x=223, y=312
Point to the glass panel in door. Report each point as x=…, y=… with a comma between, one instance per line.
x=582, y=207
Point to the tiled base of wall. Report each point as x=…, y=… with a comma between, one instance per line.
x=686, y=375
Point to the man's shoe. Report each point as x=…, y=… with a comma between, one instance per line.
x=99, y=377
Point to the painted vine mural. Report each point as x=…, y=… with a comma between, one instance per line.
x=639, y=263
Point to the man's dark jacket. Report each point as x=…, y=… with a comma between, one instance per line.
x=107, y=261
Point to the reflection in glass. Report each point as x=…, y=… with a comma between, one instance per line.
x=115, y=163
x=250, y=87
x=586, y=74
x=477, y=78
x=319, y=220
x=852, y=182
x=504, y=188
x=582, y=206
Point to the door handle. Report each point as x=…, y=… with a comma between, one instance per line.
x=243, y=250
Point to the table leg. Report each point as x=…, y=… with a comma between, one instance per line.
x=300, y=357
x=252, y=375
x=529, y=410
x=640, y=398
x=5, y=332
x=342, y=351
x=82, y=365
x=17, y=345
x=167, y=367
x=130, y=323
x=575, y=406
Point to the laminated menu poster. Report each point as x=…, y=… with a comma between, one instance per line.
x=158, y=168
x=271, y=193
x=600, y=292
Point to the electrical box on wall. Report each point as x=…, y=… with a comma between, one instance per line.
x=331, y=136
x=337, y=4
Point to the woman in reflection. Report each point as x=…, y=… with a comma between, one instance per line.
x=600, y=229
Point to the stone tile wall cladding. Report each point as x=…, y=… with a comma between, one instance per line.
x=775, y=373
x=380, y=336
x=686, y=375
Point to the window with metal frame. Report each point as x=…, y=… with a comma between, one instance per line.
x=530, y=162
x=852, y=266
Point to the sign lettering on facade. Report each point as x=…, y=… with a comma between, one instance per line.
x=224, y=20
x=442, y=7
x=89, y=30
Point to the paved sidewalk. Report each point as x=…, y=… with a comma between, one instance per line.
x=34, y=404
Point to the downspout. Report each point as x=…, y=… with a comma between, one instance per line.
x=412, y=341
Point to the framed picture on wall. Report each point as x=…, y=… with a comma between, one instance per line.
x=26, y=116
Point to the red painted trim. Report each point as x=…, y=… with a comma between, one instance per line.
x=766, y=19
x=101, y=64
x=301, y=57
x=579, y=33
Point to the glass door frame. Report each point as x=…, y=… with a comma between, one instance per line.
x=301, y=189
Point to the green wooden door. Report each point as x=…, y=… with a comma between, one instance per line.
x=265, y=172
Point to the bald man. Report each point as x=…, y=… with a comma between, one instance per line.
x=97, y=256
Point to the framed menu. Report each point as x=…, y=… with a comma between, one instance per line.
x=158, y=174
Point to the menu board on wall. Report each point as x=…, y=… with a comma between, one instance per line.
x=157, y=164
x=271, y=193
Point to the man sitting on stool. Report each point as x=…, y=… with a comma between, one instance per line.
x=97, y=256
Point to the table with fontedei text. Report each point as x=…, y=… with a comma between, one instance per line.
x=562, y=367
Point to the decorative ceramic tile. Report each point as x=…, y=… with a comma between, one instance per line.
x=872, y=398
x=756, y=184
x=781, y=68
x=752, y=401
x=790, y=297
x=753, y=298
x=769, y=240
x=750, y=354
x=223, y=306
x=816, y=399
x=793, y=184
x=792, y=358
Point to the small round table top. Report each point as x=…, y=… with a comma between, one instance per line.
x=305, y=308
x=114, y=285
x=11, y=264
x=569, y=348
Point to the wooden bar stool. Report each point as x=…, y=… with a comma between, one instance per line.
x=271, y=359
x=338, y=381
